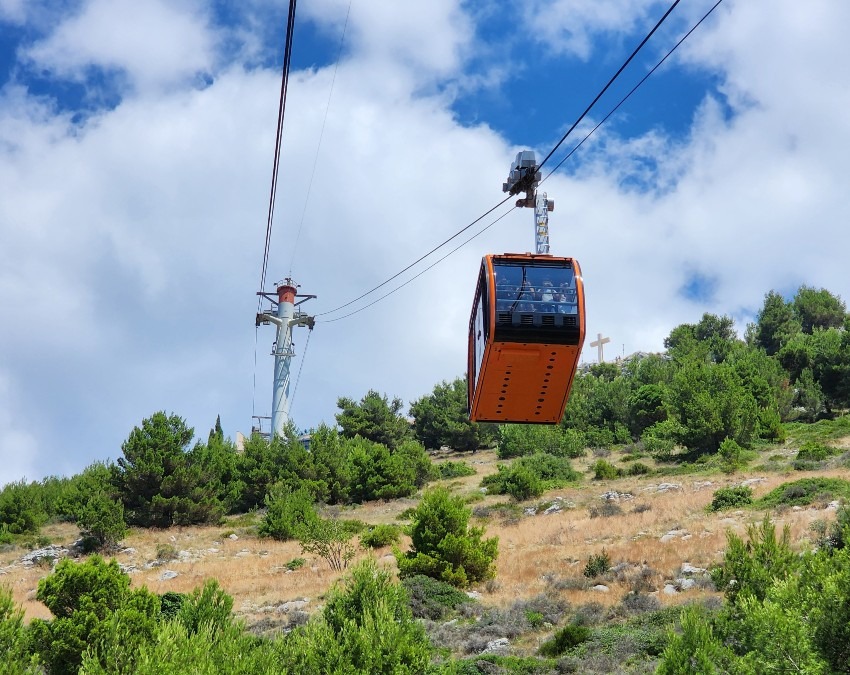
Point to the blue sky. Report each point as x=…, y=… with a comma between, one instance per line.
x=136, y=142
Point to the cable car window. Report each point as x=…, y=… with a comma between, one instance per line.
x=535, y=288
x=479, y=338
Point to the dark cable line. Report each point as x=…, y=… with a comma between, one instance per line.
x=610, y=82
x=300, y=368
x=574, y=149
x=633, y=90
x=431, y=266
x=284, y=81
x=595, y=100
x=415, y=262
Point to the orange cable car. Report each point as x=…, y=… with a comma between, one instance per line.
x=526, y=333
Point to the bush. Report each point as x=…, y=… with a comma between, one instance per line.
x=101, y=522
x=731, y=497
x=289, y=515
x=605, y=510
x=366, y=627
x=95, y=610
x=730, y=454
x=380, y=535
x=806, y=491
x=21, y=508
x=432, y=599
x=567, y=638
x=295, y=564
x=454, y=470
x=206, y=608
x=518, y=440
x=330, y=539
x=814, y=452
x=530, y=476
x=638, y=469
x=603, y=470
x=170, y=603
x=597, y=565
x=444, y=546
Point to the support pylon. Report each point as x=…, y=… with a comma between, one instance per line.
x=285, y=317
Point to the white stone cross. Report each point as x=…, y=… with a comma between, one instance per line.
x=598, y=342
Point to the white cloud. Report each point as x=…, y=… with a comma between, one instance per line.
x=151, y=43
x=133, y=240
x=570, y=26
x=18, y=446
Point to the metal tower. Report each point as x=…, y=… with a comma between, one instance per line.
x=284, y=315
x=524, y=177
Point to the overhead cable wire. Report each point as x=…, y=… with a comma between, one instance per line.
x=284, y=81
x=321, y=135
x=300, y=368
x=632, y=91
x=574, y=149
x=419, y=274
x=436, y=248
x=415, y=262
x=610, y=82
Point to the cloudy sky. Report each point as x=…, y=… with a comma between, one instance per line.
x=136, y=148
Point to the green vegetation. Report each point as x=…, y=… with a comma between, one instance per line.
x=380, y=535
x=806, y=491
x=711, y=403
x=530, y=476
x=441, y=419
x=444, y=546
x=784, y=612
x=731, y=498
x=597, y=565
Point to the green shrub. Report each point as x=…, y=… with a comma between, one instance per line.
x=756, y=564
x=814, y=452
x=21, y=508
x=597, y=565
x=603, y=470
x=13, y=639
x=101, y=522
x=444, y=546
x=94, y=609
x=330, y=539
x=535, y=619
x=454, y=470
x=519, y=440
x=530, y=476
x=431, y=598
x=638, y=469
x=289, y=514
x=730, y=455
x=170, y=603
x=208, y=607
x=380, y=535
x=166, y=551
x=295, y=564
x=806, y=491
x=566, y=638
x=731, y=497
x=366, y=627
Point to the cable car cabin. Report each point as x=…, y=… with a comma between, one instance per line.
x=525, y=338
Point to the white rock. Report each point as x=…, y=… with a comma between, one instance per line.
x=475, y=595
x=686, y=584
x=600, y=588
x=232, y=537
x=167, y=574
x=670, y=589
x=497, y=646
x=689, y=569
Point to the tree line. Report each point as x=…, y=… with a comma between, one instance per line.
x=710, y=392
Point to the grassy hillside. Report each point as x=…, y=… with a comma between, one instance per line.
x=653, y=532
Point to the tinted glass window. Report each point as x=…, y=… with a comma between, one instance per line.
x=535, y=288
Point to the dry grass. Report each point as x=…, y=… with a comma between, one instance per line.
x=535, y=553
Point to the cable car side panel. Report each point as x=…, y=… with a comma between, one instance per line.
x=526, y=335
